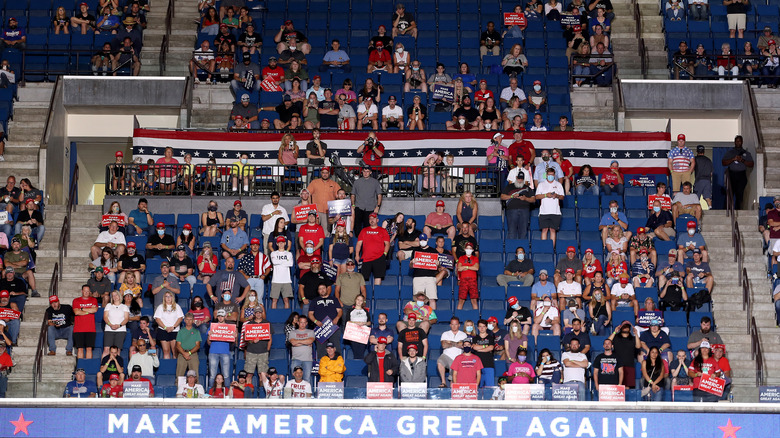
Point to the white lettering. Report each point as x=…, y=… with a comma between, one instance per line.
x=586, y=428
x=621, y=426
x=499, y=424
x=324, y=423
x=229, y=425
x=605, y=427
x=405, y=425
x=563, y=430
x=145, y=424
x=120, y=423
x=193, y=424
x=368, y=426
x=304, y=424
x=256, y=423
x=453, y=426
x=477, y=427
x=337, y=425
x=536, y=428
x=282, y=425
x=430, y=424
x=169, y=423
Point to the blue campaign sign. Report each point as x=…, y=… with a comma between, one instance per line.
x=268, y=420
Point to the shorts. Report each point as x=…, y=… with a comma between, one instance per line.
x=377, y=267
x=164, y=336
x=736, y=21
x=550, y=221
x=467, y=288
x=426, y=285
x=84, y=339
x=445, y=361
x=703, y=187
x=256, y=360
x=281, y=289
x=167, y=179
x=111, y=339
x=339, y=261
x=407, y=252
x=440, y=230
x=687, y=210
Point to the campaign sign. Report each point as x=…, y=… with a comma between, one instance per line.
x=613, y=393
x=425, y=260
x=515, y=19
x=269, y=84
x=340, y=207
x=769, y=394
x=712, y=384
x=445, y=93
x=414, y=390
x=569, y=20
x=6, y=313
x=222, y=332
x=3, y=218
x=258, y=331
x=108, y=218
x=666, y=202
x=642, y=181
x=357, y=333
x=645, y=317
x=330, y=271
x=682, y=393
x=524, y=392
x=135, y=389
x=325, y=331
x=565, y=392
x=330, y=390
x=301, y=212
x=464, y=391
x=379, y=390
x=446, y=261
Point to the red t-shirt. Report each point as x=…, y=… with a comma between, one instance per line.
x=84, y=323
x=609, y=178
x=372, y=159
x=277, y=74
x=313, y=232
x=467, y=367
x=303, y=258
x=481, y=96
x=383, y=56
x=111, y=391
x=708, y=366
x=565, y=166
x=237, y=393
x=590, y=270
x=524, y=148
x=468, y=261
x=207, y=269
x=373, y=242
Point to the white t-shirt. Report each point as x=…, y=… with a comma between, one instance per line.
x=372, y=110
x=552, y=313
x=573, y=374
x=507, y=93
x=201, y=55
x=453, y=352
x=116, y=314
x=617, y=290
x=396, y=112
x=569, y=290
x=526, y=176
x=549, y=205
x=268, y=226
x=299, y=390
x=282, y=261
x=169, y=318
x=116, y=238
x=273, y=390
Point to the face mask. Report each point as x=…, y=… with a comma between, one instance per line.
x=521, y=358
x=399, y=50
x=226, y=297
x=613, y=209
x=572, y=309
x=351, y=268
x=160, y=232
x=244, y=161
x=488, y=125
x=198, y=305
x=469, y=329
x=692, y=231
x=656, y=209
x=115, y=209
x=521, y=256
x=462, y=121
x=467, y=350
x=545, y=158
x=644, y=258
x=515, y=329
x=186, y=232
x=415, y=68
x=469, y=252
x=550, y=178
x=212, y=208
x=252, y=298
x=547, y=304
x=490, y=326
x=420, y=303
x=516, y=307
x=777, y=205
x=597, y=297
x=309, y=251
x=555, y=156
x=292, y=48
x=423, y=243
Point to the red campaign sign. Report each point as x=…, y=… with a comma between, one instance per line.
x=300, y=212
x=222, y=332
x=269, y=84
x=357, y=333
x=712, y=384
x=258, y=331
x=379, y=390
x=666, y=202
x=108, y=218
x=464, y=391
x=612, y=393
x=425, y=260
x=6, y=313
x=515, y=19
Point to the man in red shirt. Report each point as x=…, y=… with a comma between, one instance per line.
x=380, y=59
x=84, y=307
x=112, y=389
x=468, y=269
x=483, y=93
x=135, y=376
x=382, y=365
x=373, y=151
x=521, y=147
x=466, y=367
x=374, y=243
x=311, y=231
x=273, y=71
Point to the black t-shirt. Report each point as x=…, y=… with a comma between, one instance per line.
x=25, y=216
x=112, y=368
x=297, y=35
x=89, y=17
x=329, y=120
x=373, y=93
x=673, y=294
x=325, y=307
x=414, y=336
x=624, y=349
x=132, y=262
x=16, y=285
x=736, y=8
x=485, y=356
x=13, y=194
x=405, y=21
x=411, y=114
x=515, y=203
x=606, y=4
x=285, y=114
x=498, y=337
x=248, y=39
x=518, y=266
x=312, y=147
x=416, y=272
x=63, y=317
x=470, y=113
x=311, y=282
x=583, y=337
x=460, y=245
x=180, y=267
x=491, y=38
x=386, y=41
x=222, y=37
x=165, y=239
x=409, y=237
x=608, y=369
x=523, y=314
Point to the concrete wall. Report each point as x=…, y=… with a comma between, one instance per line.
x=55, y=176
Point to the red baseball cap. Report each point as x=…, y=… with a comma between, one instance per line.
x=770, y=42
x=114, y=377
x=440, y=203
x=571, y=249
x=492, y=319
x=588, y=251
x=237, y=202
x=316, y=77
x=341, y=223
x=316, y=260
x=569, y=270
x=309, y=242
x=691, y=224
x=54, y=299
x=682, y=136
x=640, y=230
x=4, y=294
x=577, y=27
x=537, y=82
x=381, y=340
x=187, y=226
x=512, y=301
x=254, y=241
x=280, y=239
x=373, y=215
x=239, y=117
x=411, y=315
x=119, y=154
x=160, y=225
x=482, y=81
x=411, y=346
x=29, y=200
x=643, y=251
x=469, y=245
x=623, y=280
x=378, y=44
x=131, y=244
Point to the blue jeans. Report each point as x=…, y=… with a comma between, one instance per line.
x=770, y=71
x=37, y=232
x=598, y=325
x=20, y=301
x=60, y=333
x=13, y=329
x=603, y=79
x=8, y=230
x=517, y=220
x=656, y=396
x=699, y=12
x=581, y=70
x=238, y=88
x=488, y=377
x=593, y=190
x=224, y=361
x=3, y=385
x=257, y=285
x=617, y=189
x=305, y=364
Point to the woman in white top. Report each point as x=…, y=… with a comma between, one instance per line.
x=115, y=315
x=191, y=388
x=617, y=241
x=400, y=58
x=168, y=317
x=108, y=262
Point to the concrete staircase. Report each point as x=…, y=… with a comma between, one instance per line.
x=625, y=45
x=57, y=369
x=655, y=44
x=727, y=298
x=211, y=105
x=25, y=131
x=181, y=40
x=768, y=108
x=592, y=109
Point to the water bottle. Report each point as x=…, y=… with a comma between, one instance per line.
x=731, y=397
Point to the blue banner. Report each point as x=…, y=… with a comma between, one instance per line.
x=263, y=420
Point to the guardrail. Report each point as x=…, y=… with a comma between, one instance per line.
x=169, y=14
x=599, y=71
x=756, y=353
x=677, y=62
x=261, y=180
x=640, y=41
x=43, y=335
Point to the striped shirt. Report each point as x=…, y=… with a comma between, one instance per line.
x=681, y=159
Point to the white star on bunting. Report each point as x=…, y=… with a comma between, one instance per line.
x=252, y=155
x=154, y=151
x=211, y=154
x=460, y=151
x=655, y=154
x=406, y=153
x=641, y=155
x=613, y=155
x=571, y=153
x=392, y=154
x=265, y=155
x=197, y=153
x=349, y=153
x=419, y=153
x=141, y=150
x=238, y=154
x=474, y=152
x=628, y=154
x=599, y=154
x=585, y=153
x=181, y=153
x=224, y=154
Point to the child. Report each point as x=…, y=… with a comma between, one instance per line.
x=468, y=269
x=112, y=389
x=450, y=176
x=281, y=282
x=118, y=174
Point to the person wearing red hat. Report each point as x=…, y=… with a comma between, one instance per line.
x=412, y=334
x=623, y=295
x=84, y=307
x=32, y=217
x=281, y=282
x=642, y=240
x=238, y=211
x=382, y=359
x=118, y=172
x=111, y=238
x=569, y=261
x=345, y=218
x=691, y=241
x=160, y=244
x=255, y=266
x=468, y=271
x=643, y=270
x=681, y=163
x=112, y=389
x=59, y=320
x=380, y=59
x=372, y=248
x=288, y=38
x=483, y=93
x=13, y=36
x=131, y=263
x=590, y=266
x=322, y=190
x=439, y=222
x=83, y=19
x=234, y=241
x=568, y=289
x=187, y=238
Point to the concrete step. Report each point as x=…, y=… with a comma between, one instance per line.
x=46, y=389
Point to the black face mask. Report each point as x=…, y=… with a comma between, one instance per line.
x=198, y=305
x=212, y=208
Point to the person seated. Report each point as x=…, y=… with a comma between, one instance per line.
x=660, y=223
x=467, y=113
x=673, y=296
x=569, y=291
x=643, y=270
x=203, y=59
x=336, y=59
x=408, y=239
x=623, y=295
x=107, y=22
x=380, y=59
x=368, y=114
x=244, y=115
x=32, y=217
x=250, y=41
x=288, y=38
x=614, y=217
x=418, y=310
x=392, y=115
x=83, y=20
x=546, y=317
x=439, y=222
x=687, y=243
x=331, y=366
x=698, y=273
x=403, y=22
x=686, y=202
x=515, y=62
x=414, y=78
x=642, y=240
x=490, y=40
x=111, y=238
x=160, y=244
x=519, y=269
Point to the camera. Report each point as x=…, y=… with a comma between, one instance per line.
x=370, y=142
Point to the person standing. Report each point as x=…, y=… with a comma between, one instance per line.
x=681, y=164
x=323, y=190
x=374, y=243
x=466, y=367
x=702, y=185
x=519, y=198
x=607, y=369
x=381, y=359
x=366, y=198
x=270, y=214
x=316, y=151
x=738, y=160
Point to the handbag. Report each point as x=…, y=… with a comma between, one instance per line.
x=646, y=390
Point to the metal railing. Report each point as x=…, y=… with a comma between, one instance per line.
x=640, y=41
x=169, y=14
x=262, y=180
x=592, y=77
x=738, y=60
x=756, y=353
x=43, y=342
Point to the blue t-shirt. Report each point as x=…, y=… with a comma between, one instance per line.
x=139, y=218
x=13, y=34
x=677, y=266
x=338, y=55
x=234, y=241
x=80, y=390
x=685, y=240
x=219, y=347
x=378, y=333
x=468, y=78
x=110, y=22
x=607, y=220
x=651, y=341
x=541, y=170
x=542, y=291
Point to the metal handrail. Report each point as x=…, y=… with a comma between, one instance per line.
x=756, y=352
x=42, y=336
x=641, y=41
x=50, y=114
x=65, y=232
x=164, y=46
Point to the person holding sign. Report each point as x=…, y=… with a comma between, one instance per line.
x=358, y=314
x=326, y=307
x=257, y=349
x=425, y=265
x=135, y=376
x=521, y=371
x=220, y=351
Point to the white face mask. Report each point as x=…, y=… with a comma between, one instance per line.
x=521, y=256
x=462, y=121
x=547, y=304
x=252, y=298
x=572, y=309
x=613, y=209
x=469, y=328
x=691, y=231
x=423, y=243
x=244, y=161
x=491, y=326
x=516, y=307
x=597, y=297
x=420, y=303
x=550, y=178
x=399, y=50
x=351, y=268
x=186, y=232
x=488, y=125
x=161, y=232
x=469, y=252
x=309, y=251
x=537, y=87
x=515, y=329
